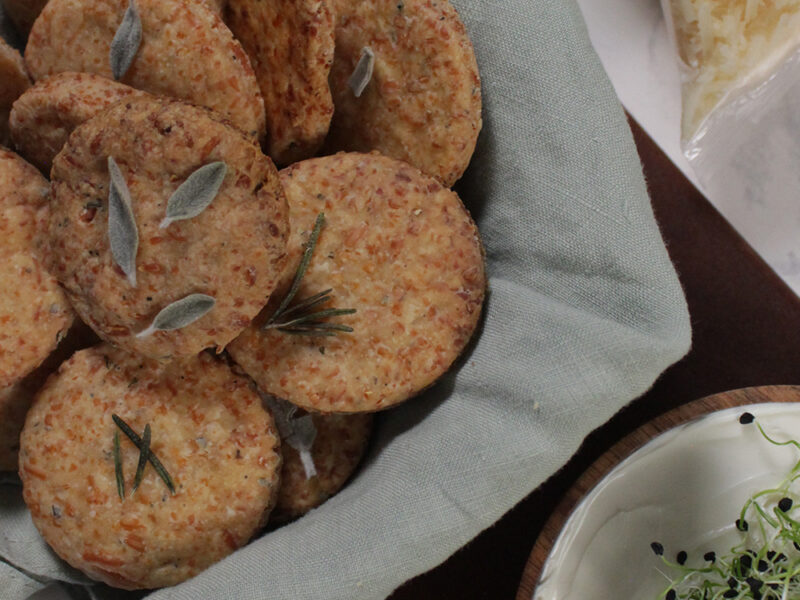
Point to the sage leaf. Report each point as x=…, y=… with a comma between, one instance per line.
x=179, y=314
x=195, y=194
x=362, y=74
x=298, y=432
x=302, y=439
x=126, y=42
x=123, y=237
x=282, y=411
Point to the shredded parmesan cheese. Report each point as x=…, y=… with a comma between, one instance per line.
x=728, y=44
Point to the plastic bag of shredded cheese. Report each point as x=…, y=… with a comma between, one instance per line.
x=740, y=69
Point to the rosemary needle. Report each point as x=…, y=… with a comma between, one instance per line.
x=301, y=269
x=143, y=455
x=301, y=319
x=118, y=467
x=137, y=441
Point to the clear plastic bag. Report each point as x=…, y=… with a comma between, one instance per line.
x=740, y=70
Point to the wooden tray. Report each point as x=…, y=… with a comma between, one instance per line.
x=623, y=449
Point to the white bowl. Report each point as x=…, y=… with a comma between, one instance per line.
x=684, y=489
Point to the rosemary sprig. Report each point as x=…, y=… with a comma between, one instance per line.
x=118, y=467
x=301, y=319
x=138, y=442
x=765, y=565
x=137, y=480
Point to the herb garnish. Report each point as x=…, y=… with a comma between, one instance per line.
x=362, y=74
x=298, y=432
x=144, y=449
x=123, y=236
x=195, y=194
x=118, y=467
x=301, y=319
x=137, y=480
x=765, y=565
x=179, y=314
x=126, y=42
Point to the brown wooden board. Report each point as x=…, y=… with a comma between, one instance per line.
x=622, y=450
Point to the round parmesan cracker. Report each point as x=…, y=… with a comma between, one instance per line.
x=44, y=116
x=14, y=81
x=210, y=431
x=234, y=251
x=187, y=52
x=290, y=43
x=338, y=448
x=423, y=103
x=34, y=312
x=16, y=399
x=400, y=249
x=23, y=12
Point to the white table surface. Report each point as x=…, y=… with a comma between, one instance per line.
x=630, y=36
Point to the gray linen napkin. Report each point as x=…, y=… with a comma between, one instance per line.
x=584, y=312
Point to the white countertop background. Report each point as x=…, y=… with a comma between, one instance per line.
x=631, y=39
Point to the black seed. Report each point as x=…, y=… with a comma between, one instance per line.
x=742, y=525
x=770, y=554
x=780, y=557
x=755, y=584
x=763, y=565
x=681, y=558
x=657, y=548
x=785, y=504
x=746, y=561
x=730, y=594
x=796, y=546
x=671, y=595
x=732, y=582
x=746, y=418
x=710, y=556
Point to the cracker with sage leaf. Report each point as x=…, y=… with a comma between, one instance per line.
x=290, y=43
x=186, y=52
x=338, y=445
x=207, y=479
x=422, y=100
x=34, y=311
x=228, y=253
x=14, y=81
x=396, y=282
x=44, y=116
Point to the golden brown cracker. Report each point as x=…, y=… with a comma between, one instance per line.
x=34, y=312
x=338, y=446
x=44, y=116
x=290, y=43
x=233, y=251
x=14, y=81
x=186, y=52
x=400, y=249
x=208, y=429
x=423, y=103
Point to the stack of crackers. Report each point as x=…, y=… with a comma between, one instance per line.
x=192, y=341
